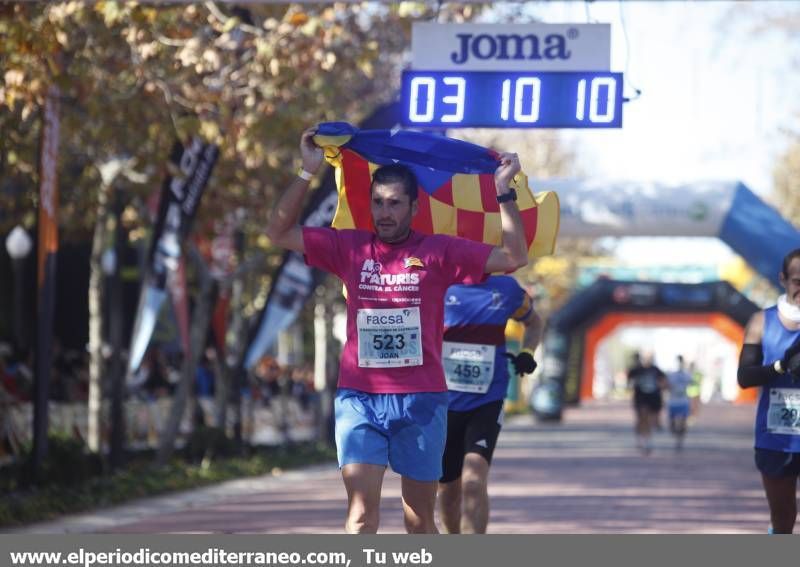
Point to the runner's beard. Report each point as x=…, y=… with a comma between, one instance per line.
x=392, y=232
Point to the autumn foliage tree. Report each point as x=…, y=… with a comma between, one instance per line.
x=134, y=77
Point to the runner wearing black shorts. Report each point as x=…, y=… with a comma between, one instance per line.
x=476, y=430
x=648, y=381
x=476, y=367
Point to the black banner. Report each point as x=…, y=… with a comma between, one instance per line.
x=188, y=172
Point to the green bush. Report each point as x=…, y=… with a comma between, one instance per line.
x=67, y=493
x=208, y=443
x=67, y=462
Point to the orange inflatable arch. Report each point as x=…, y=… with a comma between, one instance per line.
x=610, y=322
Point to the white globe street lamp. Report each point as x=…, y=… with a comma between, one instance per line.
x=18, y=243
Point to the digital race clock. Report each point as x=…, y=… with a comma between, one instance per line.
x=458, y=99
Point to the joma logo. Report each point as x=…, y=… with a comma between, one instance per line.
x=510, y=46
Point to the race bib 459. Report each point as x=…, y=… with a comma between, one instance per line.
x=468, y=367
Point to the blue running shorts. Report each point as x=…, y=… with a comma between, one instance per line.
x=679, y=408
x=405, y=431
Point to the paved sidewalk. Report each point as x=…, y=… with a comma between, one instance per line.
x=581, y=476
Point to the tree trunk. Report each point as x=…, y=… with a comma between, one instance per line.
x=222, y=383
x=327, y=351
x=114, y=368
x=99, y=242
x=201, y=318
x=321, y=333
x=235, y=343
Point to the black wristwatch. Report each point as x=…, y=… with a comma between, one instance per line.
x=510, y=196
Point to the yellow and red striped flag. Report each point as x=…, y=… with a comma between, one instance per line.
x=456, y=192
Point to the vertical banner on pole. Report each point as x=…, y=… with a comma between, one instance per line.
x=46, y=268
x=188, y=172
x=222, y=257
x=293, y=283
x=176, y=284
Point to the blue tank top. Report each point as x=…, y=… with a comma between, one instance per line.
x=477, y=315
x=777, y=417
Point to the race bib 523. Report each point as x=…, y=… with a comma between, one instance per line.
x=389, y=337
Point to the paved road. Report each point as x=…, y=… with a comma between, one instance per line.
x=581, y=476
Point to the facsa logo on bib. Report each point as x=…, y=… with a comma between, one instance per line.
x=395, y=319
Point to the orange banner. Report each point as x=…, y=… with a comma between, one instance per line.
x=48, y=182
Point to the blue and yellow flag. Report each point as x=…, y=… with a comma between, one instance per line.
x=456, y=193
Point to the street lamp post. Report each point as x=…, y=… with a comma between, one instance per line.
x=19, y=245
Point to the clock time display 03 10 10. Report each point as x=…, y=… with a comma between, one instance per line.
x=512, y=99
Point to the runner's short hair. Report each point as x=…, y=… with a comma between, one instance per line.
x=788, y=260
x=396, y=173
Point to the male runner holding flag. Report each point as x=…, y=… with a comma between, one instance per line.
x=391, y=404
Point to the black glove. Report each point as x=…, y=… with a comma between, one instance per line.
x=791, y=360
x=523, y=362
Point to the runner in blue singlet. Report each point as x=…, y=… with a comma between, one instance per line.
x=770, y=359
x=476, y=367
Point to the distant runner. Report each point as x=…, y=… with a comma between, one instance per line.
x=679, y=406
x=647, y=381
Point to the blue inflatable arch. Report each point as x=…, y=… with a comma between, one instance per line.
x=726, y=210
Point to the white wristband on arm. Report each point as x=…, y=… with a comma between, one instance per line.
x=305, y=175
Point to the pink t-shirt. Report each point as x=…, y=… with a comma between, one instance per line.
x=395, y=303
